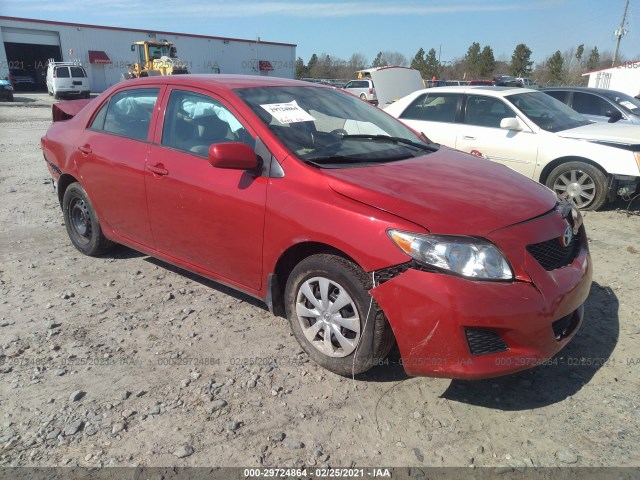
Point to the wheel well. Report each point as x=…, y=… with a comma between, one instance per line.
x=286, y=263
x=63, y=183
x=553, y=164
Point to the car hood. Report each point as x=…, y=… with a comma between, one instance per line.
x=620, y=133
x=446, y=192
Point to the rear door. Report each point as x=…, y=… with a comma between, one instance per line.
x=211, y=218
x=436, y=115
x=111, y=157
x=79, y=79
x=481, y=135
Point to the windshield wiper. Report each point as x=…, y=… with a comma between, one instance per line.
x=389, y=138
x=333, y=159
x=345, y=159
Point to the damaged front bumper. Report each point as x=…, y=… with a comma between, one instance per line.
x=454, y=327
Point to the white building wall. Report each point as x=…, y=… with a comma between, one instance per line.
x=624, y=78
x=201, y=54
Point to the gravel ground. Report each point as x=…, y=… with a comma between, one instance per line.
x=124, y=360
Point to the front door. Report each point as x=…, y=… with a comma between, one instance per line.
x=480, y=134
x=208, y=217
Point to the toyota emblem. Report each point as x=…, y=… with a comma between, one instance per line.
x=567, y=236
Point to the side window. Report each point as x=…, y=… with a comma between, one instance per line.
x=349, y=85
x=588, y=104
x=193, y=122
x=486, y=111
x=129, y=113
x=438, y=107
x=562, y=96
x=98, y=120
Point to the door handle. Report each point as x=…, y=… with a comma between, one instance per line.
x=86, y=149
x=467, y=137
x=158, y=169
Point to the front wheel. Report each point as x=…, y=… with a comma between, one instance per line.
x=82, y=223
x=333, y=316
x=580, y=182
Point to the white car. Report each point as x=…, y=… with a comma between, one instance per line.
x=532, y=133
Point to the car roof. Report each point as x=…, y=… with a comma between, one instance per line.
x=223, y=81
x=603, y=91
x=484, y=89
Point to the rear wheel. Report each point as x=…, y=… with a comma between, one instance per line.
x=333, y=317
x=582, y=183
x=82, y=222
x=363, y=96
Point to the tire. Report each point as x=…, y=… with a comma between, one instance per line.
x=585, y=184
x=362, y=343
x=56, y=95
x=363, y=97
x=82, y=222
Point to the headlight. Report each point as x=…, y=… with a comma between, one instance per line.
x=467, y=256
x=8, y=87
x=637, y=154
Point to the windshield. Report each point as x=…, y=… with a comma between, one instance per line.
x=627, y=102
x=328, y=127
x=545, y=111
x=158, y=51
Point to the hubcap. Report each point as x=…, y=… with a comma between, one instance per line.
x=80, y=220
x=578, y=186
x=328, y=317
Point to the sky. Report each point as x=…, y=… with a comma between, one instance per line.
x=341, y=28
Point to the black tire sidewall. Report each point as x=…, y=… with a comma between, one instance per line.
x=598, y=177
x=346, y=274
x=73, y=191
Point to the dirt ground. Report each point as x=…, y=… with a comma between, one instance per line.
x=124, y=360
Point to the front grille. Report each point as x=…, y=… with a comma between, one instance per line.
x=551, y=254
x=483, y=342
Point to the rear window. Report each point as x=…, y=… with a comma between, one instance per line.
x=62, y=72
x=78, y=72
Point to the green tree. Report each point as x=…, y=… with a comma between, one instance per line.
x=432, y=65
x=301, y=68
x=521, y=61
x=580, y=51
x=313, y=61
x=594, y=59
x=419, y=62
x=472, y=59
x=555, y=65
x=379, y=61
x=487, y=62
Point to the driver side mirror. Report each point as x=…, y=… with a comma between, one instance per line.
x=233, y=155
x=614, y=115
x=510, y=123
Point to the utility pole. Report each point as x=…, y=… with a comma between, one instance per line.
x=620, y=32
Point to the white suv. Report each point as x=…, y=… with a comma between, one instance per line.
x=532, y=133
x=362, y=88
x=67, y=78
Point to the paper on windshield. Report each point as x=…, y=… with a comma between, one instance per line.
x=628, y=104
x=288, y=112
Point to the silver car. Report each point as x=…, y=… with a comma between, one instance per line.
x=599, y=104
x=362, y=88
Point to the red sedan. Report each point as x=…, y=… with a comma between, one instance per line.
x=358, y=229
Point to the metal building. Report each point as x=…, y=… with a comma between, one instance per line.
x=27, y=44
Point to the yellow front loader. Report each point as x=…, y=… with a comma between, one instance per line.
x=156, y=58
